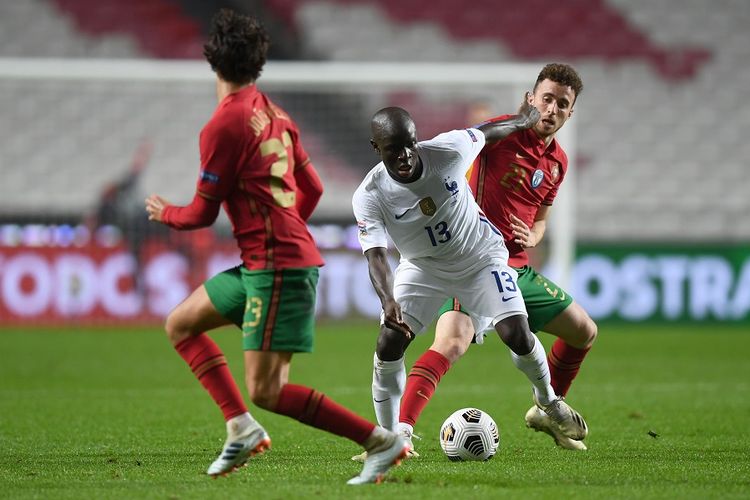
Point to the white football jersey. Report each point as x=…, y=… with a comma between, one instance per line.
x=434, y=221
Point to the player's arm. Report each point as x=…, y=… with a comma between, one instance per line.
x=309, y=189
x=221, y=144
x=526, y=118
x=201, y=212
x=381, y=277
x=218, y=146
x=529, y=237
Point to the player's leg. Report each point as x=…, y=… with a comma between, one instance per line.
x=388, y=375
x=552, y=310
x=388, y=380
x=501, y=299
x=453, y=334
x=414, y=291
x=493, y=292
x=280, y=323
x=218, y=302
x=529, y=357
x=576, y=333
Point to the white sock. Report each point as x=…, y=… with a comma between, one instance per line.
x=388, y=384
x=237, y=426
x=534, y=366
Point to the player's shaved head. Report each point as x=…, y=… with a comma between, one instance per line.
x=391, y=122
x=394, y=138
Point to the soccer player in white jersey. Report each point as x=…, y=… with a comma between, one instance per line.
x=419, y=196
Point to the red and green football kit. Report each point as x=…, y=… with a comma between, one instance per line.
x=516, y=176
x=253, y=163
x=250, y=155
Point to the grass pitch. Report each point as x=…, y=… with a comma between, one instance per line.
x=117, y=414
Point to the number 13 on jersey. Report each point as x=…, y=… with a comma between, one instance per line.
x=438, y=234
x=505, y=283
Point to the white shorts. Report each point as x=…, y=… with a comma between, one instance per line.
x=490, y=295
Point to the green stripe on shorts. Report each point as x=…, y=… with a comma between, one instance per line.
x=274, y=308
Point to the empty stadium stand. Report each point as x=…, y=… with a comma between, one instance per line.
x=660, y=124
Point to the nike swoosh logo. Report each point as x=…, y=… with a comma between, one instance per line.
x=419, y=393
x=506, y=299
x=399, y=216
x=520, y=156
x=380, y=400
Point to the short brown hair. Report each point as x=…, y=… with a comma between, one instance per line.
x=237, y=46
x=563, y=74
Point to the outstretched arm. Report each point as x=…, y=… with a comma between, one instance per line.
x=201, y=212
x=382, y=280
x=526, y=118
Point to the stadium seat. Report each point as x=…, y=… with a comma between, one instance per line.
x=660, y=79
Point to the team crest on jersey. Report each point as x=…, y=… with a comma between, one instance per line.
x=362, y=226
x=555, y=171
x=428, y=206
x=537, y=178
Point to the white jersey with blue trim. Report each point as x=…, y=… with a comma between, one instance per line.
x=434, y=221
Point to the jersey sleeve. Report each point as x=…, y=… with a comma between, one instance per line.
x=370, y=226
x=301, y=159
x=472, y=144
x=221, y=143
x=467, y=143
x=309, y=189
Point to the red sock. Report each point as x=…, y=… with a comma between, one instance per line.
x=318, y=410
x=421, y=384
x=564, y=362
x=210, y=367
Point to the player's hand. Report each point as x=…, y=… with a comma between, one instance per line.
x=392, y=319
x=524, y=236
x=528, y=113
x=155, y=205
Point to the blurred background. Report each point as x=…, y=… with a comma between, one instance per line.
x=657, y=209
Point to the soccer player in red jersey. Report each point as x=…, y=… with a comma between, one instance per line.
x=253, y=163
x=515, y=182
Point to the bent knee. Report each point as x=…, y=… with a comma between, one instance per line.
x=454, y=347
x=590, y=332
x=264, y=395
x=391, y=344
x=175, y=328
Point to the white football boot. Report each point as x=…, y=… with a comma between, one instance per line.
x=390, y=451
x=569, y=421
x=539, y=421
x=408, y=438
x=238, y=449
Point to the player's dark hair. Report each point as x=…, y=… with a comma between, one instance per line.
x=236, y=47
x=563, y=74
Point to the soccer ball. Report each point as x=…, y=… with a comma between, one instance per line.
x=469, y=434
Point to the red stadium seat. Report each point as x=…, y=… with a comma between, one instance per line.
x=582, y=29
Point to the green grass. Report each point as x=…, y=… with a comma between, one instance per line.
x=116, y=414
